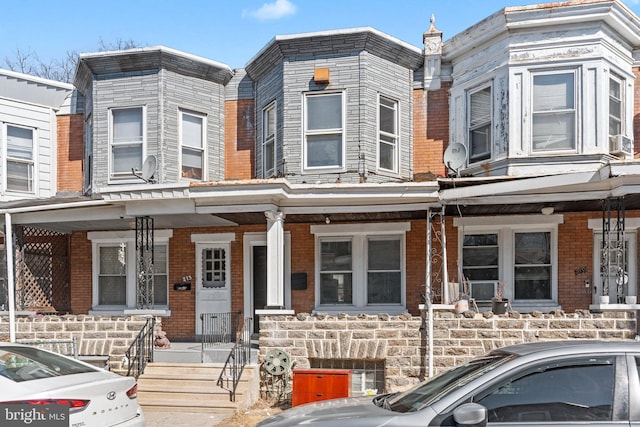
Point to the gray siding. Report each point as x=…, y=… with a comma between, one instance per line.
x=200, y=96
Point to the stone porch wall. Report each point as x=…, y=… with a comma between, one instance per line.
x=402, y=341
x=96, y=335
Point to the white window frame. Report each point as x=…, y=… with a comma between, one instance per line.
x=484, y=156
x=126, y=176
x=576, y=109
x=31, y=164
x=358, y=235
x=395, y=136
x=506, y=228
x=202, y=150
x=116, y=238
x=269, y=139
x=621, y=100
x=328, y=131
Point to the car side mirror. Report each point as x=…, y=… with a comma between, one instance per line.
x=471, y=415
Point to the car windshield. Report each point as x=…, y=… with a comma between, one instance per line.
x=429, y=391
x=30, y=363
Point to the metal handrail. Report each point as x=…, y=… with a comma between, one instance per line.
x=140, y=352
x=238, y=357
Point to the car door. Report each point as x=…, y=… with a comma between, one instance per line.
x=561, y=392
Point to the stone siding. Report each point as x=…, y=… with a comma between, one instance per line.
x=96, y=335
x=402, y=341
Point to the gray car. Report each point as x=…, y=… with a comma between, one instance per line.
x=555, y=383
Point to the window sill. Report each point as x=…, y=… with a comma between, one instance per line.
x=162, y=312
x=614, y=307
x=354, y=311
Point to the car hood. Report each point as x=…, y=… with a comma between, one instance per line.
x=354, y=412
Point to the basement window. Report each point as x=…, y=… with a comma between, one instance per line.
x=365, y=374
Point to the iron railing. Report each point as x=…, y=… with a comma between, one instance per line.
x=219, y=328
x=140, y=351
x=239, y=356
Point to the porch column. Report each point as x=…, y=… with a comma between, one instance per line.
x=275, y=259
x=11, y=286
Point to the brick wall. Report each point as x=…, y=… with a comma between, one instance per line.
x=70, y=142
x=402, y=341
x=96, y=335
x=239, y=139
x=431, y=130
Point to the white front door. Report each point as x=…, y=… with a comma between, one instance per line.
x=213, y=280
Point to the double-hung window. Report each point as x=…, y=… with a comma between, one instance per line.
x=479, y=125
x=388, y=134
x=192, y=139
x=554, y=112
x=520, y=252
x=362, y=268
x=323, y=131
x=269, y=140
x=126, y=141
x=115, y=264
x=20, y=159
x=615, y=106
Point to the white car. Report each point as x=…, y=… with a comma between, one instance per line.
x=94, y=397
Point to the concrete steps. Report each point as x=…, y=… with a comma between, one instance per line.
x=191, y=387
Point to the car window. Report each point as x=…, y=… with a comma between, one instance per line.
x=30, y=363
x=575, y=390
x=425, y=393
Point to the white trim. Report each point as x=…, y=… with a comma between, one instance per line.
x=395, y=170
x=111, y=179
x=511, y=221
x=119, y=235
x=343, y=131
x=35, y=178
x=203, y=149
x=350, y=229
x=213, y=238
x=629, y=224
x=271, y=107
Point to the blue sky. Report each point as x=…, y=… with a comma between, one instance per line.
x=231, y=32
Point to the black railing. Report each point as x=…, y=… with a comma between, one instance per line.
x=219, y=328
x=140, y=351
x=238, y=357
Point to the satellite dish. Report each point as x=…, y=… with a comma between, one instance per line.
x=148, y=169
x=455, y=156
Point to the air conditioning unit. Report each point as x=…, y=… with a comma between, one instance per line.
x=483, y=290
x=620, y=145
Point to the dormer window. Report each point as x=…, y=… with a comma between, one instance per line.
x=479, y=124
x=192, y=138
x=554, y=112
x=323, y=131
x=126, y=141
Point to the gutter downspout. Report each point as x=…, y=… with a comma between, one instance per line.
x=8, y=247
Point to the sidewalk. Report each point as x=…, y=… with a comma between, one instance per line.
x=182, y=419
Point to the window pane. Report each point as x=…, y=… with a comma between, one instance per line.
x=192, y=130
x=387, y=116
x=384, y=288
x=214, y=268
x=553, y=92
x=579, y=391
x=126, y=158
x=160, y=259
x=19, y=176
x=384, y=254
x=480, y=139
x=335, y=256
x=191, y=163
x=110, y=260
x=532, y=282
x=480, y=240
x=480, y=257
x=112, y=290
x=336, y=288
x=127, y=125
x=19, y=143
x=554, y=131
x=387, y=154
x=324, y=112
x=324, y=150
x=160, y=289
x=268, y=154
x=532, y=271
x=480, y=107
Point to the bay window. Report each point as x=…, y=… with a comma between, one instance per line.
x=388, y=134
x=554, y=112
x=479, y=125
x=192, y=141
x=126, y=141
x=323, y=131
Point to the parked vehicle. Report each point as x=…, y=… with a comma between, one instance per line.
x=95, y=397
x=556, y=383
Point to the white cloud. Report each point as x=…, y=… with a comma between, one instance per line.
x=274, y=10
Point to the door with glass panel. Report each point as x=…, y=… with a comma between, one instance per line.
x=213, y=280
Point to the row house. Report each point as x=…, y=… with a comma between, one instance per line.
x=341, y=174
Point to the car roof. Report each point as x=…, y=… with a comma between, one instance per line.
x=569, y=346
